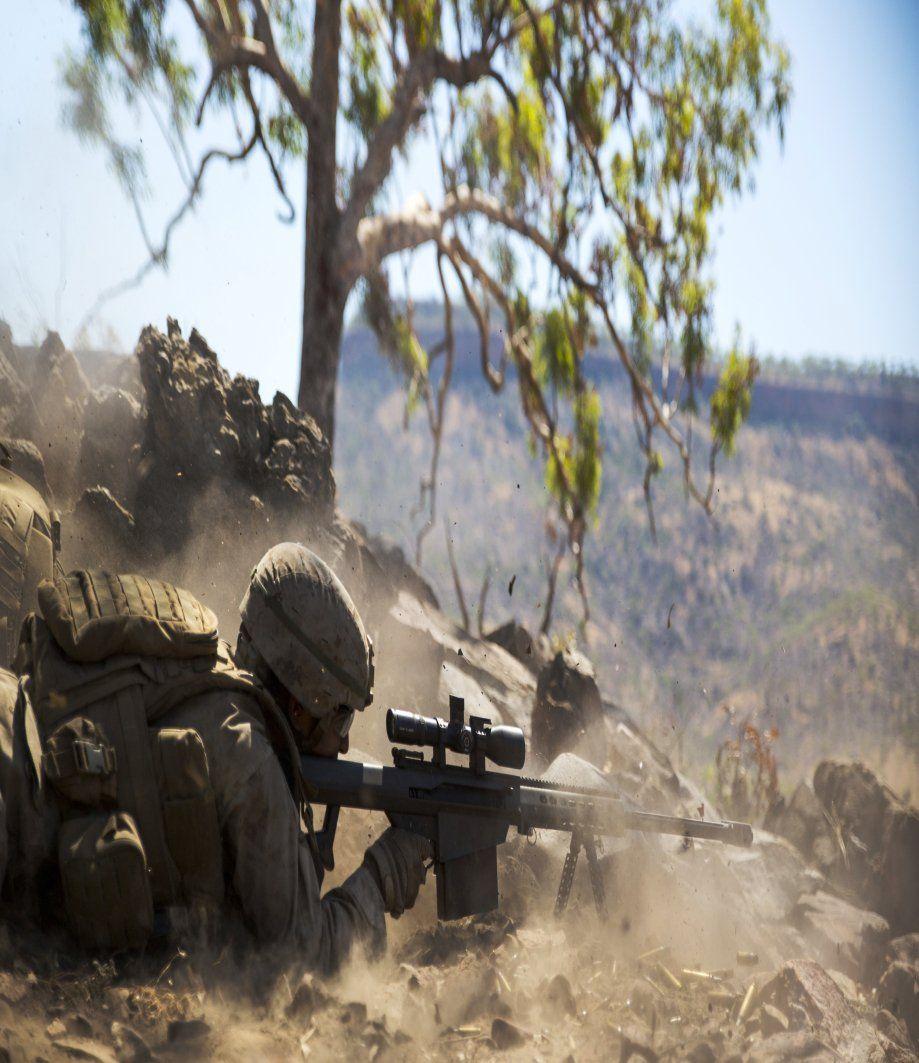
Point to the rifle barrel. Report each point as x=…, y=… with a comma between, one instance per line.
x=427, y=791
x=727, y=832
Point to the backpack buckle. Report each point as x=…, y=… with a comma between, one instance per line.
x=92, y=759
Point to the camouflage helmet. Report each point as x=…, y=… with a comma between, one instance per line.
x=302, y=622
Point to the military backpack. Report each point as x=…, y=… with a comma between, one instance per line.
x=107, y=658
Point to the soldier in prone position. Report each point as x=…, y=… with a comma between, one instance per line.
x=158, y=772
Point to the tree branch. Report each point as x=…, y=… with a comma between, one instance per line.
x=229, y=49
x=407, y=106
x=417, y=223
x=457, y=584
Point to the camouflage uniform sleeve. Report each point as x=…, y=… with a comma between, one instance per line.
x=266, y=856
x=275, y=879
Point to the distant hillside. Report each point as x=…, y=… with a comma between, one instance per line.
x=797, y=606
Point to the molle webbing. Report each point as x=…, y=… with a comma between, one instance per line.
x=15, y=522
x=97, y=615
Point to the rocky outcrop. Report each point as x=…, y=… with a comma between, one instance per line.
x=811, y=1001
x=113, y=430
x=568, y=706
x=203, y=428
x=42, y=392
x=26, y=461
x=534, y=653
x=847, y=938
x=860, y=835
x=879, y=855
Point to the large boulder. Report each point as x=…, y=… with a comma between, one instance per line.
x=568, y=707
x=879, y=853
x=844, y=936
x=812, y=1000
x=898, y=992
x=803, y=820
x=534, y=653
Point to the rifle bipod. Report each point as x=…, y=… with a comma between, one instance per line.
x=581, y=840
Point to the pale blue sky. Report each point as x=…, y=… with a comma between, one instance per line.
x=822, y=258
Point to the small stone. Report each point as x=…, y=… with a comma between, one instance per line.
x=55, y=1028
x=506, y=1035
x=633, y=1045
x=703, y=1052
x=130, y=1044
x=354, y=1013
x=78, y=1024
x=308, y=998
x=12, y=989
x=560, y=997
x=186, y=1031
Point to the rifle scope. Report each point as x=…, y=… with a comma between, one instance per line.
x=503, y=745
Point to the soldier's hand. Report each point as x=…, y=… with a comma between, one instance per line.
x=396, y=860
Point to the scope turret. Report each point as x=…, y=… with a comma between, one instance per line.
x=478, y=739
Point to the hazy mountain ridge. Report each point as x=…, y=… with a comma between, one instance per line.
x=797, y=605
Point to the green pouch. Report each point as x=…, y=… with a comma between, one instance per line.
x=80, y=764
x=106, y=884
x=190, y=822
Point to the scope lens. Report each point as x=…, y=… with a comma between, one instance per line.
x=410, y=728
x=506, y=747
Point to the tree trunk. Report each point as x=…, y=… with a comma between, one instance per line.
x=323, y=295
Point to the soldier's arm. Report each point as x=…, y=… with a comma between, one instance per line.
x=274, y=877
x=266, y=862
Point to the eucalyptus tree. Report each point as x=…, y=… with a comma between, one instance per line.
x=583, y=149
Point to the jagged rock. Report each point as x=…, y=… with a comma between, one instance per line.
x=506, y=1035
x=14, y=397
x=423, y=658
x=881, y=838
x=568, y=706
x=560, y=997
x=26, y=461
x=514, y=637
x=803, y=822
x=58, y=390
x=112, y=434
x=850, y=938
x=905, y=949
x=205, y=431
x=894, y=1039
x=803, y=986
x=98, y=511
x=392, y=561
x=130, y=1045
x=898, y=992
x=189, y=427
x=308, y=998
